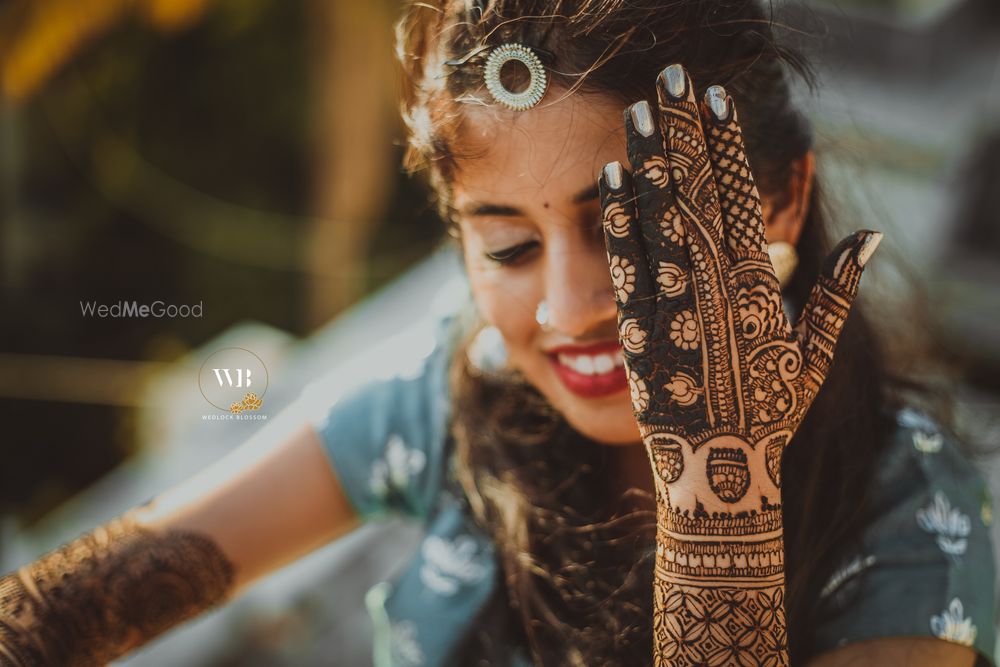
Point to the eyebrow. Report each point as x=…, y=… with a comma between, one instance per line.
x=474, y=208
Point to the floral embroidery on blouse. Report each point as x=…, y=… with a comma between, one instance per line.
x=952, y=626
x=406, y=650
x=450, y=563
x=393, y=472
x=950, y=526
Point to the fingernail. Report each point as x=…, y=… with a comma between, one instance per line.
x=674, y=81
x=613, y=174
x=642, y=117
x=868, y=247
x=718, y=101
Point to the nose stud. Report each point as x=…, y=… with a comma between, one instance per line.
x=542, y=314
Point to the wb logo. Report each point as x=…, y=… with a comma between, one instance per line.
x=225, y=376
x=233, y=380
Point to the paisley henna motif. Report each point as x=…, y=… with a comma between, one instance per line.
x=106, y=593
x=721, y=380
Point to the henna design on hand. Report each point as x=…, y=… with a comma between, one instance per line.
x=106, y=593
x=719, y=378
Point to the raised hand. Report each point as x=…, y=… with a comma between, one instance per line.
x=719, y=378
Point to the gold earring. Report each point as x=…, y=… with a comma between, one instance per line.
x=784, y=259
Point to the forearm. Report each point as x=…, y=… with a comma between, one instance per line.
x=108, y=592
x=718, y=590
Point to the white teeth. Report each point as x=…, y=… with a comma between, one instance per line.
x=599, y=364
x=585, y=365
x=603, y=363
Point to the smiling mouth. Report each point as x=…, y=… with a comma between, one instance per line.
x=591, y=372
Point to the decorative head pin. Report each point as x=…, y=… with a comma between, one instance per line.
x=537, y=81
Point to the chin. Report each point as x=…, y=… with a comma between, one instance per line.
x=608, y=425
x=608, y=420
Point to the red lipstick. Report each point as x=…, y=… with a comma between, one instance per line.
x=590, y=371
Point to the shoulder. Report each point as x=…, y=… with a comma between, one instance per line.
x=924, y=566
x=384, y=427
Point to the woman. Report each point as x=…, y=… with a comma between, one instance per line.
x=628, y=471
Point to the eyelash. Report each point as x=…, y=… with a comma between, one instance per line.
x=512, y=255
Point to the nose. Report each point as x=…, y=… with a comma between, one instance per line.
x=578, y=291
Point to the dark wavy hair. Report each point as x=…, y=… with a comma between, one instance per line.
x=576, y=557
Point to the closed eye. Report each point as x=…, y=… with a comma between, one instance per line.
x=512, y=255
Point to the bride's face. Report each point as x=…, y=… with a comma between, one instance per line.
x=530, y=224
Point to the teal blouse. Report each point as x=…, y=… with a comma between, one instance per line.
x=923, y=568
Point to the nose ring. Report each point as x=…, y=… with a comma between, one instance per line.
x=542, y=314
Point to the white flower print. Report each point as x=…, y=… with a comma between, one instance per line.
x=951, y=626
x=395, y=469
x=927, y=443
x=450, y=563
x=949, y=525
x=406, y=651
x=852, y=569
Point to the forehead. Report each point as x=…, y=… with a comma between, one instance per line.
x=556, y=149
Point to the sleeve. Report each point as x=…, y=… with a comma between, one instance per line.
x=925, y=566
x=385, y=431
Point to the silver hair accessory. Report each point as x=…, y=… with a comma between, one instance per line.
x=542, y=314
x=537, y=83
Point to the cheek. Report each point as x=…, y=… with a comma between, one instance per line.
x=507, y=300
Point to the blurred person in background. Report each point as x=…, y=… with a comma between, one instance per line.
x=670, y=466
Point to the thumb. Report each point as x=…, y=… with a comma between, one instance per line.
x=825, y=312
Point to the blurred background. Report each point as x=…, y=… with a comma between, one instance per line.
x=244, y=155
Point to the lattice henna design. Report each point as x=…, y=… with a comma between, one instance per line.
x=719, y=378
x=107, y=592
x=720, y=626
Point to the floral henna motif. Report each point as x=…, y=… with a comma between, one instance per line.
x=683, y=388
x=684, y=331
x=615, y=220
x=672, y=279
x=655, y=169
x=719, y=378
x=106, y=593
x=632, y=335
x=623, y=277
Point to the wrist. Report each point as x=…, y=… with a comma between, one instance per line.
x=721, y=546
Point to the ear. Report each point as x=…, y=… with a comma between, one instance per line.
x=785, y=212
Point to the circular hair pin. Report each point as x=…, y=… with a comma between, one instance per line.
x=537, y=81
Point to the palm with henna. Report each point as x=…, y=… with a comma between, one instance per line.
x=719, y=378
